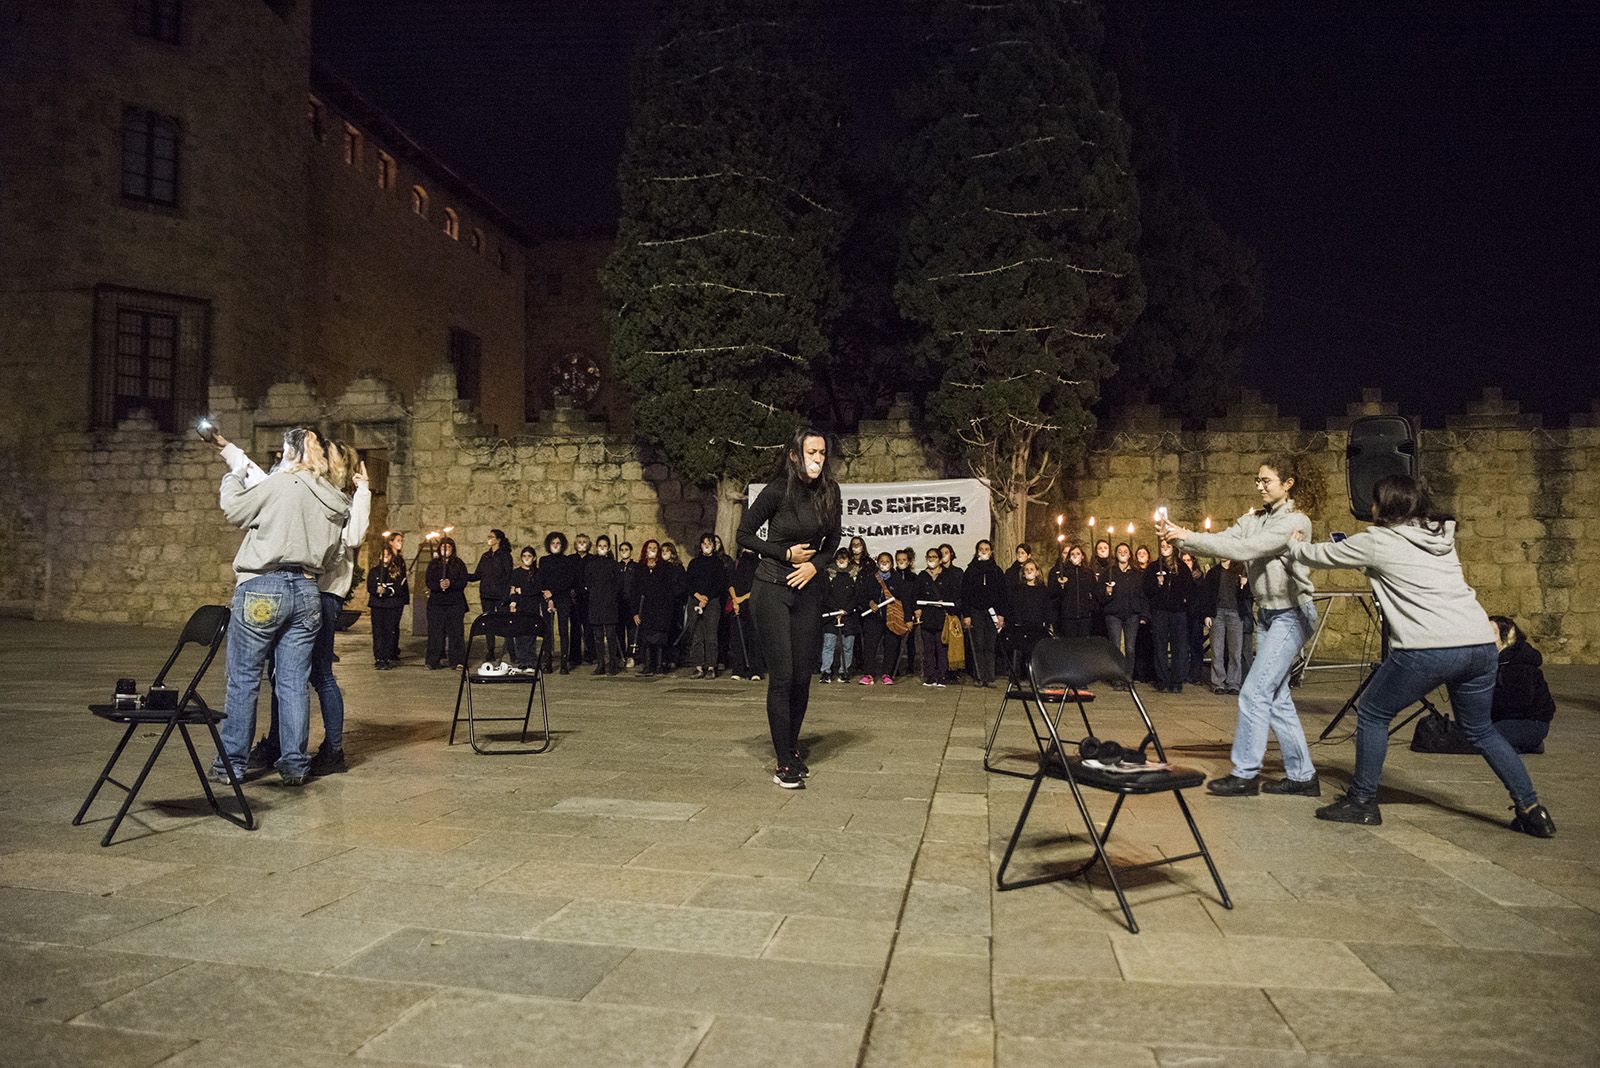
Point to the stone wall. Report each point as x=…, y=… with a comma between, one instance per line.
x=124, y=525
x=1524, y=495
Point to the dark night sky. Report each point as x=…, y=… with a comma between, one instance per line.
x=1418, y=184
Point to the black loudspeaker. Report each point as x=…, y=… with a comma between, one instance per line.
x=1380, y=445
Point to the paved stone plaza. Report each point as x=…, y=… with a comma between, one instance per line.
x=643, y=895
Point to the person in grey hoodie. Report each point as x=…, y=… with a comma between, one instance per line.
x=1438, y=636
x=292, y=521
x=1287, y=617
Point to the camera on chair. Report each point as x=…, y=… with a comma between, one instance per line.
x=125, y=698
x=161, y=699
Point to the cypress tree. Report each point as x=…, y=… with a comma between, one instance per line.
x=1017, y=260
x=723, y=278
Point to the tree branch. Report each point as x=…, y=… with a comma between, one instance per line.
x=723, y=348
x=730, y=173
x=713, y=233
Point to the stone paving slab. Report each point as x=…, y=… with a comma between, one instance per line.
x=642, y=894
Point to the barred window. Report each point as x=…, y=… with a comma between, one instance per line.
x=150, y=146
x=151, y=352
x=160, y=19
x=466, y=356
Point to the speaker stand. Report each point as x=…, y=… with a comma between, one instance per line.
x=1423, y=705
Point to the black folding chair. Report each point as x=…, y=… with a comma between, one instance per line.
x=1068, y=665
x=207, y=628
x=504, y=626
x=1020, y=688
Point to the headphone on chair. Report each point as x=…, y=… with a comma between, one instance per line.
x=1109, y=752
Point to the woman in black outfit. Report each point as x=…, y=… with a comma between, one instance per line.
x=880, y=647
x=388, y=593
x=1168, y=589
x=602, y=581
x=706, y=580
x=1030, y=612
x=558, y=578
x=447, y=606
x=524, y=598
x=1121, y=596
x=493, y=576
x=1072, y=596
x=937, y=592
x=652, y=611
x=801, y=510
x=983, y=609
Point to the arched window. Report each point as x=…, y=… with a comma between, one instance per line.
x=476, y=240
x=452, y=224
x=419, y=201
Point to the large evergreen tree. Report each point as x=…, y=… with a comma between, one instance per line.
x=723, y=273
x=1017, y=259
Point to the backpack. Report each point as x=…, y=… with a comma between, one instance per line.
x=1437, y=733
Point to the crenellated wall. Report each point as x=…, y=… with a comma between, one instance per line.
x=123, y=525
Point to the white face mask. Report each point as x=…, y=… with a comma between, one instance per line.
x=813, y=468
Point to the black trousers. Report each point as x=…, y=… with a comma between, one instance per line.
x=982, y=635
x=386, y=633
x=603, y=642
x=1081, y=627
x=744, y=642
x=879, y=648
x=445, y=636
x=788, y=624
x=492, y=606
x=563, y=626
x=1170, y=636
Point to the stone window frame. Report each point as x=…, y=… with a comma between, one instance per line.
x=419, y=201
x=145, y=133
x=386, y=170
x=475, y=240
x=452, y=224
x=142, y=337
x=158, y=20
x=350, y=145
x=465, y=353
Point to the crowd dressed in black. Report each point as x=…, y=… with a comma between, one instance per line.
x=883, y=619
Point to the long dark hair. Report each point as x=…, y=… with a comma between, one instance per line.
x=1307, y=490
x=824, y=489
x=505, y=543
x=1398, y=499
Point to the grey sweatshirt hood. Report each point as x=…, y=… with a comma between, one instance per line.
x=1434, y=542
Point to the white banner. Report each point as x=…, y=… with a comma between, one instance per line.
x=921, y=515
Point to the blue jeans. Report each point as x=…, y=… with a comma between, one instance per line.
x=329, y=696
x=279, y=615
x=1264, y=701
x=832, y=639
x=1404, y=678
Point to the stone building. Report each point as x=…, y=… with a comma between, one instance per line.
x=192, y=202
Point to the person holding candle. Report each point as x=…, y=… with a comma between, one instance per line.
x=984, y=606
x=1169, y=587
x=1283, y=592
x=1121, y=595
x=1072, y=596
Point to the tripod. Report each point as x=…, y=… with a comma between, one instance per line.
x=1424, y=705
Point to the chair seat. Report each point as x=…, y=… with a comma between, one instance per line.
x=1024, y=692
x=474, y=679
x=1176, y=777
x=193, y=714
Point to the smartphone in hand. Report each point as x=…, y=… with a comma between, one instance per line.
x=207, y=431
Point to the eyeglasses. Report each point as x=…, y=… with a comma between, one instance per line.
x=1265, y=482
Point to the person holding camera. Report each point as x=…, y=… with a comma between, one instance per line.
x=388, y=593
x=1439, y=635
x=1283, y=593
x=293, y=520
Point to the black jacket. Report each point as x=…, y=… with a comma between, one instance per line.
x=656, y=602
x=454, y=570
x=1031, y=608
x=386, y=591
x=523, y=594
x=1168, y=591
x=983, y=587
x=602, y=577
x=1072, y=591
x=493, y=575
x=709, y=578
x=1126, y=599
x=1520, y=689
x=930, y=588
x=789, y=521
x=559, y=576
x=842, y=595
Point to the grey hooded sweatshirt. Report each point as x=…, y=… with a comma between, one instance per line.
x=1416, y=576
x=1257, y=540
x=293, y=519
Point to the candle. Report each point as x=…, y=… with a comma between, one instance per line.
x=1130, y=529
x=1208, y=522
